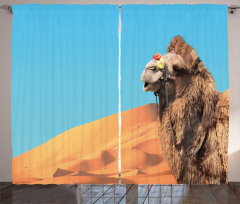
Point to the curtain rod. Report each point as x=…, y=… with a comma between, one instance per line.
x=231, y=8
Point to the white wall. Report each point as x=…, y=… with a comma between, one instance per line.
x=5, y=77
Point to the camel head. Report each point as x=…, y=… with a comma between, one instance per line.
x=178, y=61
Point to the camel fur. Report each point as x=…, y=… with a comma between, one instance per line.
x=199, y=115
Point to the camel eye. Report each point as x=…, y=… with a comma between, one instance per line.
x=152, y=68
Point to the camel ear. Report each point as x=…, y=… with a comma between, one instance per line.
x=176, y=44
x=180, y=47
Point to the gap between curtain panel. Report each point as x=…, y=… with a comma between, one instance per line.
x=119, y=94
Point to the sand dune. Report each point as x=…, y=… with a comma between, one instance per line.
x=91, y=148
x=89, y=153
x=141, y=148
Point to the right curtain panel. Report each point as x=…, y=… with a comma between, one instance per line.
x=174, y=93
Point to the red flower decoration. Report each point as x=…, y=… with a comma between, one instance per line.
x=157, y=56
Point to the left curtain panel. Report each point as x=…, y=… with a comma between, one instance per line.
x=64, y=102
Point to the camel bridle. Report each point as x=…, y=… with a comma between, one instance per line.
x=164, y=80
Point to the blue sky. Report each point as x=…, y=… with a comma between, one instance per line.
x=64, y=69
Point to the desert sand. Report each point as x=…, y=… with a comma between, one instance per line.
x=142, y=160
x=89, y=153
x=84, y=154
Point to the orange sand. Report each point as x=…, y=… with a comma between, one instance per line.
x=84, y=154
x=140, y=148
x=89, y=153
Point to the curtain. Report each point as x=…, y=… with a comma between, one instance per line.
x=64, y=104
x=184, y=139
x=173, y=111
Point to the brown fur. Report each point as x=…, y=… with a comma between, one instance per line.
x=198, y=112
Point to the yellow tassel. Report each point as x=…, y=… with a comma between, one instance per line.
x=161, y=63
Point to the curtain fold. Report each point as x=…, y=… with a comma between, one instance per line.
x=193, y=42
x=64, y=94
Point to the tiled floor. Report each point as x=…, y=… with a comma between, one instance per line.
x=90, y=193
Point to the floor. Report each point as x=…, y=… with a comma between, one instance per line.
x=90, y=193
